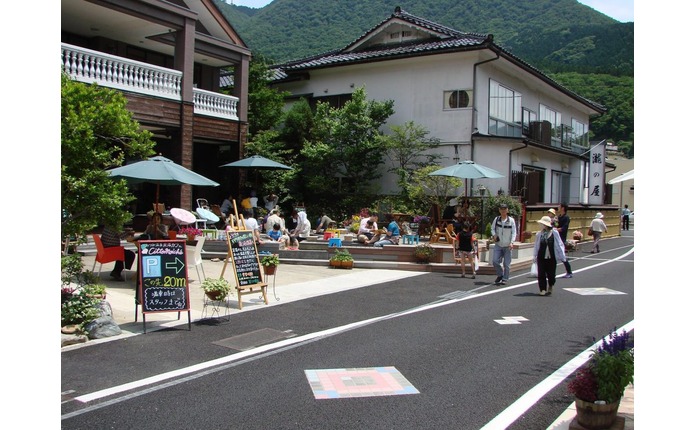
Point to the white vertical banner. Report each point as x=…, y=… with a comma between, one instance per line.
x=597, y=173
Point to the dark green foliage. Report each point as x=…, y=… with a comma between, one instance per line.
x=97, y=133
x=555, y=35
x=617, y=93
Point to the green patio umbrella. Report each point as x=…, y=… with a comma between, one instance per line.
x=257, y=162
x=160, y=171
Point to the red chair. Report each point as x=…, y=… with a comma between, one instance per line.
x=107, y=255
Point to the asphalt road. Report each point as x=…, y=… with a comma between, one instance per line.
x=442, y=333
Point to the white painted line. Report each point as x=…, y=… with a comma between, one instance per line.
x=283, y=343
x=531, y=397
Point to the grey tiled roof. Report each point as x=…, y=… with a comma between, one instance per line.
x=444, y=40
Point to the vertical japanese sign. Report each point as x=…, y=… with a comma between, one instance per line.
x=163, y=276
x=597, y=173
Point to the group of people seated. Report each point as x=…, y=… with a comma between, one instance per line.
x=370, y=234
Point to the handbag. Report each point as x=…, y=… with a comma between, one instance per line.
x=590, y=232
x=477, y=263
x=534, y=270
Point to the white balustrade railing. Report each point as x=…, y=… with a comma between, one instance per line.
x=86, y=65
x=106, y=70
x=214, y=104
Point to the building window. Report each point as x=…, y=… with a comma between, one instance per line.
x=527, y=116
x=555, y=120
x=580, y=134
x=505, y=111
x=458, y=99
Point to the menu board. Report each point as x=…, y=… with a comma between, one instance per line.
x=247, y=266
x=163, y=276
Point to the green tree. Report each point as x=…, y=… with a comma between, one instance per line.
x=265, y=103
x=97, y=133
x=268, y=144
x=345, y=147
x=431, y=190
x=408, y=148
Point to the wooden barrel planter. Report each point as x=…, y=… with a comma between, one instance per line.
x=594, y=416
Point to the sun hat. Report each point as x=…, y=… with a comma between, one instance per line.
x=552, y=211
x=598, y=215
x=546, y=221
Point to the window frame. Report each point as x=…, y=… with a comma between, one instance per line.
x=504, y=119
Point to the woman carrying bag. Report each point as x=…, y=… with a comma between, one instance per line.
x=547, y=251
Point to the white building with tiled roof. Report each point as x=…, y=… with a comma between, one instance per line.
x=483, y=103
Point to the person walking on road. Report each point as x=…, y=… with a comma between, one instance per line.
x=547, y=250
x=563, y=226
x=503, y=234
x=597, y=228
x=626, y=218
x=465, y=244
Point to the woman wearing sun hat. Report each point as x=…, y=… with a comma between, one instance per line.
x=597, y=227
x=547, y=251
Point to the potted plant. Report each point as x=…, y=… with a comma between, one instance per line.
x=424, y=253
x=77, y=311
x=269, y=263
x=342, y=258
x=600, y=384
x=191, y=232
x=216, y=289
x=94, y=291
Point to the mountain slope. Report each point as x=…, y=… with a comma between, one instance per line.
x=554, y=35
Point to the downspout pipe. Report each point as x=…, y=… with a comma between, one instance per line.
x=509, y=186
x=490, y=45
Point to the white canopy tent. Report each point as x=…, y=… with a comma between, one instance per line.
x=624, y=177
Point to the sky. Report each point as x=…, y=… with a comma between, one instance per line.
x=621, y=10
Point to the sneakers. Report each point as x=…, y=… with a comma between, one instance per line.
x=542, y=293
x=550, y=290
x=567, y=275
x=473, y=277
x=498, y=279
x=463, y=276
x=503, y=282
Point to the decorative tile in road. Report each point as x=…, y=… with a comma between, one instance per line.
x=599, y=291
x=358, y=382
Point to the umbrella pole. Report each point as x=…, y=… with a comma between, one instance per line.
x=156, y=209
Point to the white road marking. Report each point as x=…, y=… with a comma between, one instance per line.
x=526, y=401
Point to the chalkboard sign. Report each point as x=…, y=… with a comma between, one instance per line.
x=163, y=276
x=247, y=266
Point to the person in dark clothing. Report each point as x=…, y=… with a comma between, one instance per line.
x=464, y=243
x=111, y=237
x=563, y=227
x=547, y=250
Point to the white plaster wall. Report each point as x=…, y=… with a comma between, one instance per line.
x=417, y=86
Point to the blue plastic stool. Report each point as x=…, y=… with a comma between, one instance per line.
x=334, y=241
x=410, y=238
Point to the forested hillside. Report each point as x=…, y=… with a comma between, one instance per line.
x=588, y=52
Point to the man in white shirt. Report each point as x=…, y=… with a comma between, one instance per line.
x=273, y=219
x=368, y=232
x=252, y=224
x=504, y=233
